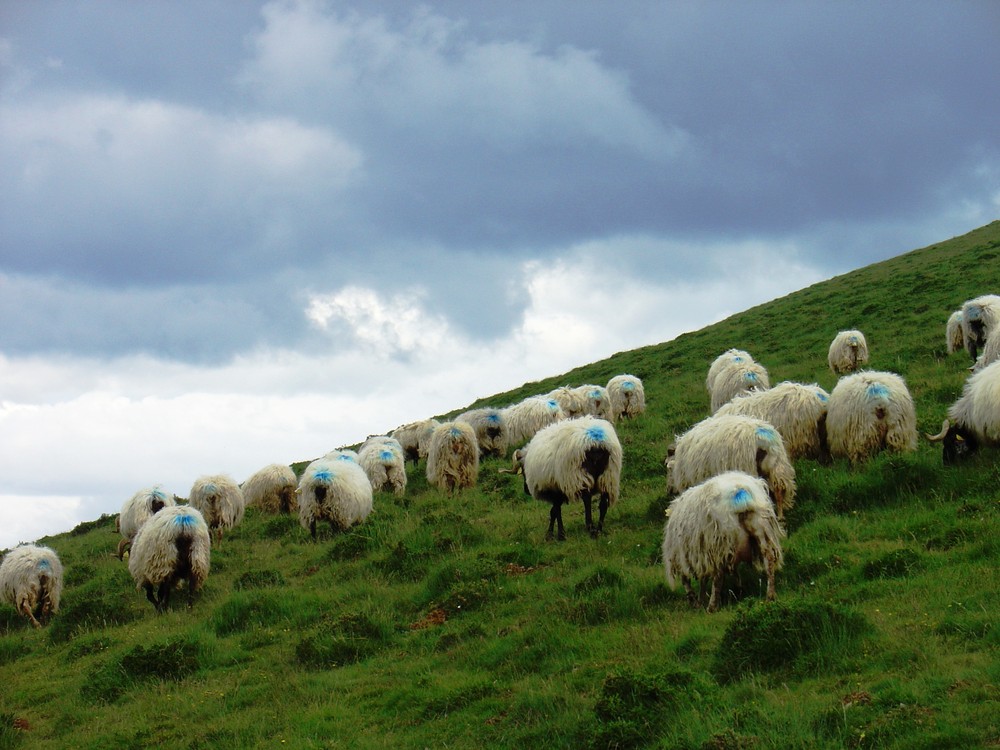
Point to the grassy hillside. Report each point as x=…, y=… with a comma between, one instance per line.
x=450, y=622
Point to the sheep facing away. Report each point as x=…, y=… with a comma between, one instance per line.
x=573, y=460
x=415, y=438
x=573, y=403
x=597, y=402
x=453, y=457
x=490, y=429
x=136, y=511
x=628, y=397
x=219, y=500
x=868, y=412
x=974, y=418
x=31, y=578
x=382, y=460
x=334, y=490
x=991, y=351
x=172, y=546
x=735, y=378
x=954, y=336
x=979, y=317
x=716, y=525
x=728, y=357
x=528, y=416
x=272, y=489
x=848, y=351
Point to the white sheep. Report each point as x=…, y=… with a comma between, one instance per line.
x=383, y=462
x=714, y=526
x=490, y=429
x=868, y=412
x=453, y=457
x=528, y=416
x=991, y=351
x=415, y=438
x=979, y=317
x=848, y=351
x=334, y=490
x=573, y=403
x=598, y=402
x=728, y=357
x=732, y=442
x=975, y=417
x=173, y=545
x=136, y=511
x=342, y=454
x=219, y=500
x=31, y=578
x=628, y=397
x=734, y=378
x=574, y=459
x=272, y=489
x=797, y=412
x=954, y=336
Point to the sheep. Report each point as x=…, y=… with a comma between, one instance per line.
x=797, y=412
x=714, y=526
x=334, y=490
x=490, y=429
x=272, y=489
x=415, y=438
x=453, y=457
x=734, y=378
x=173, y=545
x=979, y=317
x=848, y=351
x=597, y=400
x=570, y=460
x=628, y=398
x=573, y=403
x=870, y=411
x=528, y=416
x=991, y=351
x=954, y=336
x=136, y=511
x=342, y=454
x=219, y=500
x=733, y=442
x=31, y=578
x=974, y=418
x=728, y=357
x=383, y=462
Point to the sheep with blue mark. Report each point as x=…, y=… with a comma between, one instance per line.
x=597, y=400
x=335, y=490
x=453, y=457
x=954, y=336
x=490, y=429
x=733, y=442
x=727, y=358
x=571, y=460
x=528, y=416
x=272, y=489
x=713, y=527
x=979, y=317
x=136, y=511
x=869, y=412
x=219, y=500
x=31, y=579
x=848, y=351
x=381, y=457
x=172, y=546
x=735, y=378
x=342, y=454
x=415, y=438
x=974, y=418
x=573, y=403
x=628, y=397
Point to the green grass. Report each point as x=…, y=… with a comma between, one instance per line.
x=451, y=622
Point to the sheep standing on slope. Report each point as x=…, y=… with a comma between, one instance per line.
x=172, y=546
x=735, y=378
x=975, y=417
x=453, y=457
x=954, y=336
x=272, y=489
x=527, y=417
x=31, y=578
x=991, y=352
x=728, y=357
x=979, y=317
x=573, y=403
x=334, y=490
x=415, y=438
x=383, y=462
x=136, y=511
x=848, y=351
x=628, y=398
x=490, y=429
x=219, y=500
x=714, y=526
x=570, y=460
x=598, y=402
x=869, y=412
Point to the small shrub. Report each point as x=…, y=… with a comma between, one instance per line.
x=12, y=649
x=173, y=660
x=99, y=604
x=244, y=611
x=257, y=579
x=894, y=564
x=279, y=527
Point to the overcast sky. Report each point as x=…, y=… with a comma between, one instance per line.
x=235, y=233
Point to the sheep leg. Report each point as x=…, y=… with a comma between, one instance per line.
x=769, y=569
x=602, y=508
x=148, y=587
x=588, y=512
x=555, y=518
x=713, y=602
x=26, y=611
x=686, y=583
x=164, y=594
x=312, y=528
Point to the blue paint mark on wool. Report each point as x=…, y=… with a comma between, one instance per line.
x=975, y=312
x=737, y=359
x=345, y=457
x=877, y=390
x=44, y=565
x=493, y=418
x=822, y=397
x=596, y=434
x=742, y=499
x=552, y=404
x=455, y=432
x=766, y=433
x=628, y=385
x=187, y=521
x=323, y=475
x=158, y=494
x=750, y=377
x=385, y=455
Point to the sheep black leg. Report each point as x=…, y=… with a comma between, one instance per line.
x=555, y=519
x=713, y=602
x=148, y=588
x=602, y=508
x=686, y=583
x=588, y=513
x=191, y=592
x=312, y=528
x=164, y=595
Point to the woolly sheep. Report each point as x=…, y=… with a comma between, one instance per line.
x=173, y=545
x=136, y=511
x=219, y=500
x=453, y=457
x=570, y=460
x=342, y=454
x=490, y=429
x=527, y=417
x=848, y=351
x=797, y=412
x=975, y=417
x=272, y=489
x=334, y=490
x=728, y=357
x=734, y=378
x=954, y=336
x=598, y=402
x=716, y=525
x=31, y=579
x=991, y=351
x=732, y=442
x=979, y=317
x=573, y=403
x=383, y=462
x=415, y=438
x=628, y=398
x=870, y=411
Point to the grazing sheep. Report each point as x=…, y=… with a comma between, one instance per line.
x=734, y=378
x=732, y=442
x=527, y=417
x=716, y=525
x=172, y=546
x=991, y=352
x=797, y=412
x=490, y=429
x=570, y=460
x=953, y=333
x=415, y=438
x=453, y=457
x=848, y=351
x=979, y=317
x=573, y=403
x=598, y=402
x=868, y=412
x=136, y=511
x=31, y=578
x=974, y=418
x=628, y=398
x=219, y=500
x=383, y=462
x=272, y=489
x=728, y=357
x=334, y=490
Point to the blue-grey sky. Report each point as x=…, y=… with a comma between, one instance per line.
x=242, y=232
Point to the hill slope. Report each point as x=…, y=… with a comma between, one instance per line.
x=451, y=622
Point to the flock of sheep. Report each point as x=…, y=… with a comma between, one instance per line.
x=732, y=472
